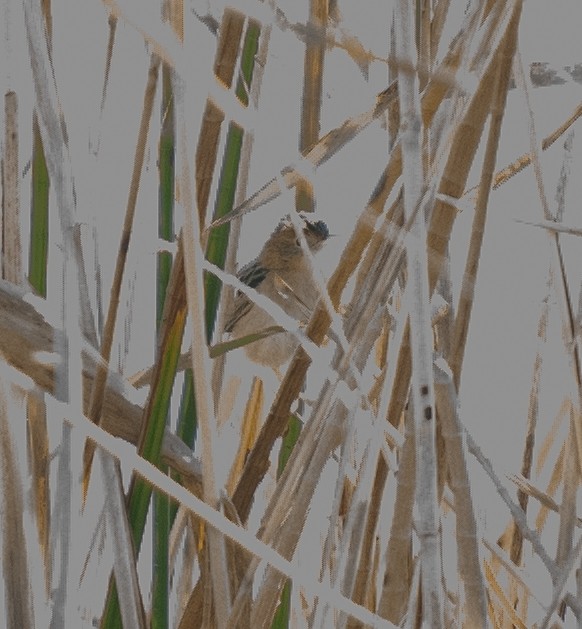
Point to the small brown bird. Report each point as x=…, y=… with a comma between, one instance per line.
x=282, y=273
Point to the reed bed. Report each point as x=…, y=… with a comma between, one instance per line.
x=152, y=476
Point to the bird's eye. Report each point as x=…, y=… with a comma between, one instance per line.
x=297, y=242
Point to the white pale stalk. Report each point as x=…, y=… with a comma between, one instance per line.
x=124, y=566
x=330, y=560
x=64, y=612
x=420, y=329
x=201, y=366
x=468, y=561
x=350, y=550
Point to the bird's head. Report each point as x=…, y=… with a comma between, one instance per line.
x=284, y=247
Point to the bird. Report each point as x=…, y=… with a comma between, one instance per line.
x=282, y=273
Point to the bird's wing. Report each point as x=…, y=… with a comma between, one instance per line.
x=252, y=274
